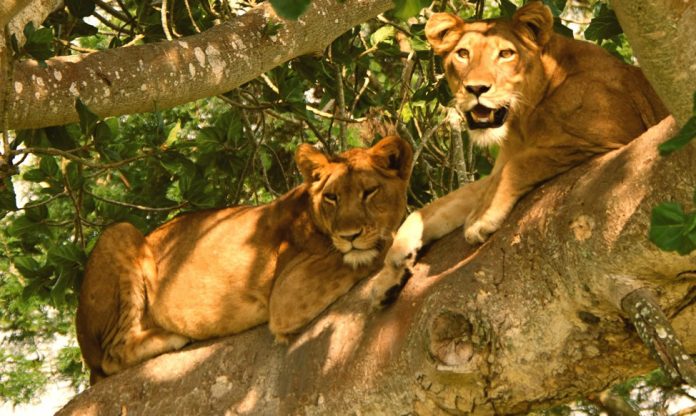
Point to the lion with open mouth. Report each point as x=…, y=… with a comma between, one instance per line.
x=550, y=102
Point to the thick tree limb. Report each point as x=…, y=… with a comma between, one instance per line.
x=531, y=318
x=9, y=8
x=162, y=75
x=662, y=33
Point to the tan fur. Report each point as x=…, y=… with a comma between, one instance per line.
x=218, y=272
x=568, y=101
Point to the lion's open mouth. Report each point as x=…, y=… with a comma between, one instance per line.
x=482, y=117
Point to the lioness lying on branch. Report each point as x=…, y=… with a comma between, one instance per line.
x=550, y=102
x=218, y=272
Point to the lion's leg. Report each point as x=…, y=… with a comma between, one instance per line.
x=124, y=262
x=302, y=291
x=430, y=223
x=518, y=176
x=140, y=345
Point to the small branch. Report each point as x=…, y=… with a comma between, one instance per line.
x=124, y=9
x=67, y=155
x=109, y=9
x=45, y=202
x=136, y=206
x=340, y=110
x=332, y=116
x=362, y=90
x=658, y=335
x=107, y=23
x=165, y=24
x=193, y=21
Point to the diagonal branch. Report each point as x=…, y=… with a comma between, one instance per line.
x=162, y=75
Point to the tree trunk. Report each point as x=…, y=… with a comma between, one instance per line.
x=529, y=319
x=662, y=33
x=161, y=75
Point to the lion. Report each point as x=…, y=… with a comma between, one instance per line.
x=218, y=272
x=549, y=102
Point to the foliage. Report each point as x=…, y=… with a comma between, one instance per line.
x=231, y=149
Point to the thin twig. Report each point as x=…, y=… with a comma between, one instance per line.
x=163, y=19
x=57, y=152
x=109, y=9
x=136, y=206
x=124, y=9
x=193, y=21
x=107, y=23
x=335, y=117
x=44, y=202
x=361, y=91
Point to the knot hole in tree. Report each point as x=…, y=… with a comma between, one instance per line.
x=460, y=341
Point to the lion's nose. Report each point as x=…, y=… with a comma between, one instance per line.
x=351, y=236
x=477, y=90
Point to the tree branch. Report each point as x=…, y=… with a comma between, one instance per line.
x=661, y=34
x=162, y=75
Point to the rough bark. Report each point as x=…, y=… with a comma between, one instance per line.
x=159, y=76
x=9, y=8
x=531, y=318
x=662, y=33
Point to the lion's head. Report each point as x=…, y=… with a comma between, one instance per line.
x=358, y=198
x=493, y=67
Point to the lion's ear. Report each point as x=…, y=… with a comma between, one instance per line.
x=393, y=154
x=309, y=160
x=443, y=31
x=535, y=21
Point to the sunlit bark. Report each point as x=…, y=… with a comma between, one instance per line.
x=159, y=76
x=662, y=33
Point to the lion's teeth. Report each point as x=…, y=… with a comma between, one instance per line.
x=491, y=116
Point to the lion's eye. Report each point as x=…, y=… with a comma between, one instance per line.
x=506, y=53
x=330, y=198
x=463, y=53
x=368, y=193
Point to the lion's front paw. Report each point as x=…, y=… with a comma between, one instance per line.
x=479, y=232
x=387, y=284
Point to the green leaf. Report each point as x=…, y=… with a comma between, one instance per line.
x=88, y=120
x=60, y=138
x=604, y=26
x=684, y=136
x=562, y=29
x=38, y=213
x=21, y=226
x=382, y=34
x=8, y=200
x=39, y=44
x=556, y=6
x=34, y=175
x=65, y=254
x=669, y=228
x=173, y=134
x=403, y=9
x=66, y=279
x=80, y=8
x=102, y=133
x=27, y=266
x=74, y=175
x=83, y=29
x=290, y=9
x=507, y=8
x=49, y=167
